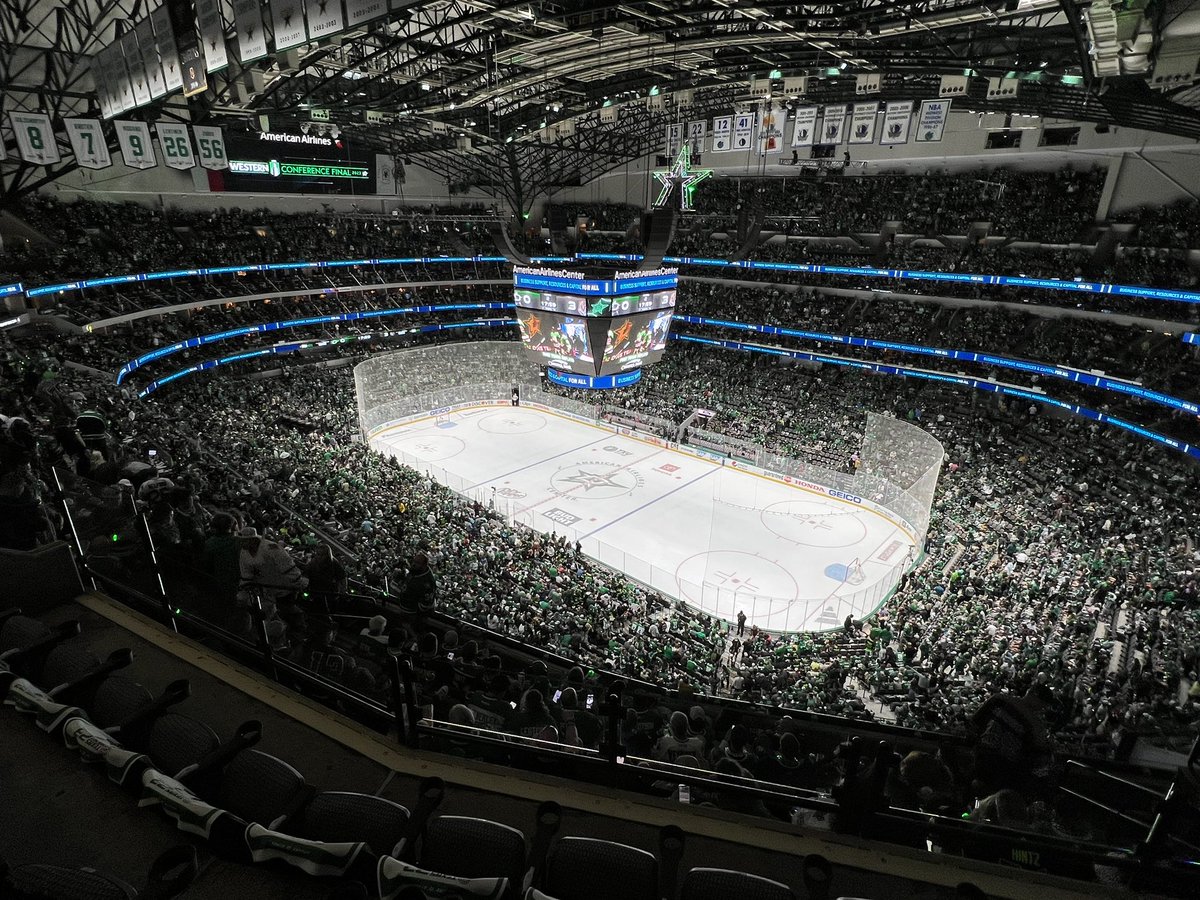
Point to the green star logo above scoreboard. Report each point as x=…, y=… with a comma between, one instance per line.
x=680, y=175
x=600, y=306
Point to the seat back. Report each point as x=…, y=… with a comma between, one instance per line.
x=258, y=787
x=117, y=700
x=177, y=741
x=339, y=816
x=580, y=868
x=67, y=663
x=718, y=884
x=40, y=881
x=473, y=848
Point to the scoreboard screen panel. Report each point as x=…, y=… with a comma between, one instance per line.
x=635, y=341
x=558, y=341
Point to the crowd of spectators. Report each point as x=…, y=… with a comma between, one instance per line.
x=1081, y=537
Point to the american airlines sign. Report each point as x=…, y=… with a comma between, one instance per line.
x=281, y=138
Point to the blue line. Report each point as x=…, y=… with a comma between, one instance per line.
x=638, y=509
x=539, y=462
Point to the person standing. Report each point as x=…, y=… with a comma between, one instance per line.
x=741, y=619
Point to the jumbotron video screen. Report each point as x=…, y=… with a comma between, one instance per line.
x=595, y=324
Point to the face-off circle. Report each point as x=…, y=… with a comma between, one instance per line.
x=811, y=523
x=595, y=481
x=511, y=422
x=717, y=580
x=428, y=447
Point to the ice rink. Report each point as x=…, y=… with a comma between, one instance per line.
x=721, y=539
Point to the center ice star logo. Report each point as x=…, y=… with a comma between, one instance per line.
x=595, y=481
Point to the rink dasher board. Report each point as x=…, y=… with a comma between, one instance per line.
x=851, y=500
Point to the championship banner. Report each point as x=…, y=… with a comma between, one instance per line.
x=674, y=139
x=136, y=66
x=805, y=126
x=833, y=124
x=136, y=150
x=168, y=54
x=862, y=123
x=176, y=146
x=722, y=131
x=103, y=81
x=118, y=72
x=287, y=18
x=359, y=11
x=87, y=143
x=153, y=68
x=35, y=138
x=210, y=145
x=931, y=123
x=324, y=17
x=385, y=174
x=695, y=136
x=897, y=119
x=770, y=131
x=743, y=130
x=248, y=26
x=212, y=35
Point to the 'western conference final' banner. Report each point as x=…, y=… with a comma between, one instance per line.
x=897, y=120
x=88, y=144
x=805, y=127
x=862, y=123
x=251, y=35
x=931, y=123
x=212, y=34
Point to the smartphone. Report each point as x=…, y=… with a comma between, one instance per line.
x=557, y=694
x=512, y=703
x=685, y=793
x=450, y=655
x=590, y=700
x=153, y=453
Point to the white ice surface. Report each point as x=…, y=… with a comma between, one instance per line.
x=719, y=538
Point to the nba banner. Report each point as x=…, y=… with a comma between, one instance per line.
x=833, y=124
x=770, y=131
x=359, y=11
x=805, y=126
x=931, y=123
x=176, y=146
x=87, y=143
x=385, y=174
x=722, y=131
x=862, y=123
x=153, y=68
x=288, y=20
x=212, y=34
x=743, y=130
x=35, y=137
x=897, y=118
x=674, y=139
x=136, y=66
x=136, y=150
x=248, y=25
x=210, y=146
x=695, y=136
x=324, y=17
x=164, y=43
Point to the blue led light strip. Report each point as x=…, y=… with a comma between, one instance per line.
x=294, y=346
x=1117, y=385
x=217, y=336
x=978, y=384
x=1045, y=284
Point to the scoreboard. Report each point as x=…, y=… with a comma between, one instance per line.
x=595, y=324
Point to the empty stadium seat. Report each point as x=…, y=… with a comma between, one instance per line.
x=339, y=816
x=259, y=788
x=467, y=847
x=580, y=868
x=177, y=742
x=720, y=884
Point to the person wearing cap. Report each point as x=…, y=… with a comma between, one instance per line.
x=268, y=569
x=220, y=558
